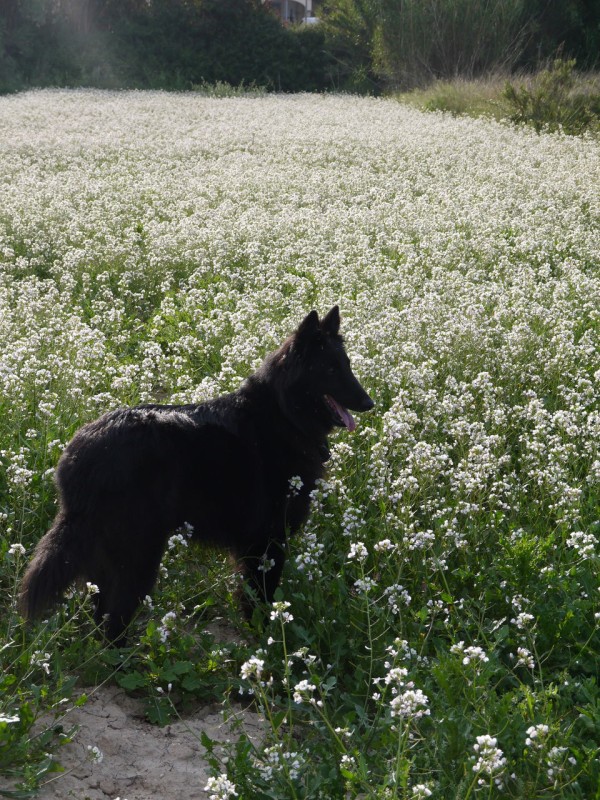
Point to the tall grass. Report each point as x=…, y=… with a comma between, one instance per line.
x=437, y=631
x=556, y=97
x=422, y=40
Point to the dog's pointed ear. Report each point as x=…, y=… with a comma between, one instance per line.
x=331, y=321
x=308, y=326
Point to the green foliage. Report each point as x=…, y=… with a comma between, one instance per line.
x=417, y=41
x=350, y=27
x=403, y=44
x=166, y=44
x=174, y=661
x=450, y=563
x=361, y=46
x=571, y=27
x=551, y=102
x=476, y=98
x=408, y=43
x=224, y=89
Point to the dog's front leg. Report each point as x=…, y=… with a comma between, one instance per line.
x=262, y=564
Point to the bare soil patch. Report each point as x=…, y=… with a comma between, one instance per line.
x=139, y=761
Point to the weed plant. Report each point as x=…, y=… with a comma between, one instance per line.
x=553, y=101
x=556, y=98
x=437, y=628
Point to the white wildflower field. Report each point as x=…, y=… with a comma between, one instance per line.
x=437, y=629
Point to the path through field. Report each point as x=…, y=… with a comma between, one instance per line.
x=139, y=761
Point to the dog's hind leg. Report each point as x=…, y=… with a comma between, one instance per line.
x=119, y=598
x=122, y=588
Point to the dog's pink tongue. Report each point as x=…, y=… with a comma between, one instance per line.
x=345, y=415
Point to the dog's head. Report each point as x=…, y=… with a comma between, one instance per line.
x=319, y=389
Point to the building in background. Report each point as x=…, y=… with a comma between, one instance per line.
x=293, y=10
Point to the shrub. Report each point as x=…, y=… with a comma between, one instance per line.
x=554, y=102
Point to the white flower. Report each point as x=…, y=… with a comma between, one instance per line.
x=177, y=540
x=16, y=550
x=420, y=791
x=303, y=692
x=279, y=611
x=583, y=543
x=469, y=654
x=95, y=753
x=384, y=546
x=537, y=735
x=396, y=675
x=221, y=788
x=295, y=484
x=411, y=704
x=347, y=762
x=40, y=659
x=491, y=760
x=525, y=658
x=252, y=669
x=396, y=595
x=167, y=624
x=364, y=585
x=276, y=758
x=357, y=552
x=522, y=620
x=266, y=564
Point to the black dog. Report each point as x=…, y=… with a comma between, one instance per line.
x=132, y=477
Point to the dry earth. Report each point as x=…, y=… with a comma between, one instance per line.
x=140, y=761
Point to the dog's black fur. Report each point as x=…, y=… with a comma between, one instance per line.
x=132, y=477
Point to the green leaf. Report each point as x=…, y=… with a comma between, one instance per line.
x=133, y=680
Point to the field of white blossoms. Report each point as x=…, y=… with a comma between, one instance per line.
x=437, y=633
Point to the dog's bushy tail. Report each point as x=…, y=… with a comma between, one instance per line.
x=55, y=565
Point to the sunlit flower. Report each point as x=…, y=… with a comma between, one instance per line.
x=252, y=669
x=490, y=758
x=220, y=788
x=279, y=611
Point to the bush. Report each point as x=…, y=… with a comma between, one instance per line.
x=168, y=44
x=553, y=102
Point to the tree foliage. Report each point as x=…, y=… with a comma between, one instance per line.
x=171, y=44
x=404, y=43
x=361, y=45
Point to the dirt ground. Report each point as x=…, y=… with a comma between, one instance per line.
x=139, y=761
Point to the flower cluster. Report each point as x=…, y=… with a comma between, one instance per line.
x=154, y=247
x=276, y=759
x=491, y=761
x=583, y=543
x=407, y=703
x=537, y=735
x=279, y=611
x=252, y=669
x=167, y=625
x=220, y=788
x=469, y=654
x=357, y=552
x=304, y=693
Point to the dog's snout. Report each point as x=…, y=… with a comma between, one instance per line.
x=366, y=404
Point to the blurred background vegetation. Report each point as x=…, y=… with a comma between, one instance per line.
x=364, y=46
